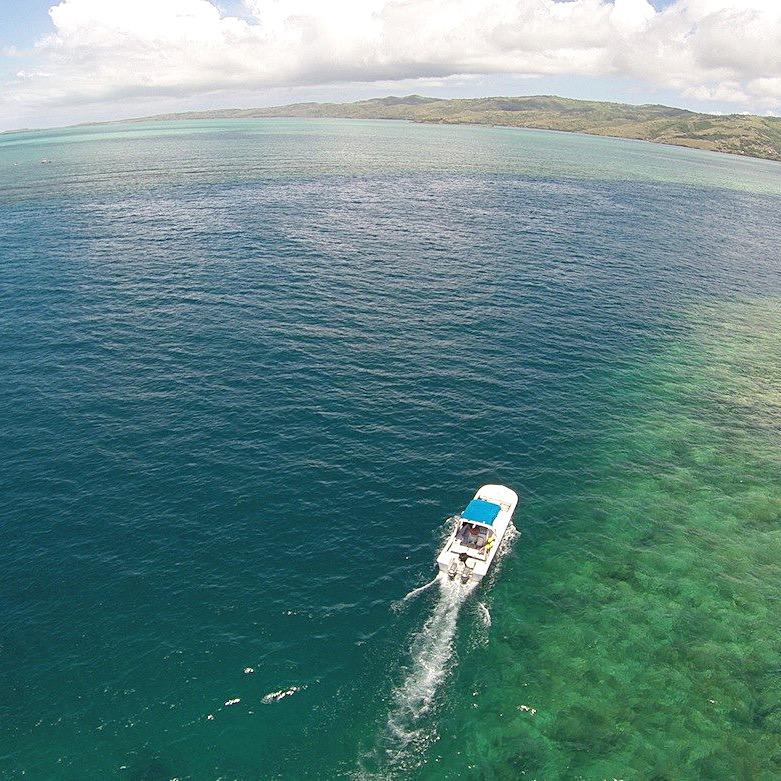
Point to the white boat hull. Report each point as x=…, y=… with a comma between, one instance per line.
x=466, y=562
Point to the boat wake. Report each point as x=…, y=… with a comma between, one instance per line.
x=406, y=734
x=431, y=650
x=416, y=592
x=402, y=743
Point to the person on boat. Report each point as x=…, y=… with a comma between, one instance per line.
x=471, y=534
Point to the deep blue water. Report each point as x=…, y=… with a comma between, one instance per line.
x=247, y=372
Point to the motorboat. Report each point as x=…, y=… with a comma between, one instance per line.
x=477, y=533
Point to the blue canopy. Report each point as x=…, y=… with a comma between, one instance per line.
x=481, y=511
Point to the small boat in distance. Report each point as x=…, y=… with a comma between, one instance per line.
x=477, y=533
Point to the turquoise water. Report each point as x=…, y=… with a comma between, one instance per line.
x=250, y=368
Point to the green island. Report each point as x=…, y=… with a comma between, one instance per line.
x=740, y=134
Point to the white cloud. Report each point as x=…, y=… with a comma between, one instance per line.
x=107, y=50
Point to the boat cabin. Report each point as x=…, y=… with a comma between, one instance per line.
x=476, y=529
x=473, y=535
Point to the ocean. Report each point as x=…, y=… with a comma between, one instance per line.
x=249, y=370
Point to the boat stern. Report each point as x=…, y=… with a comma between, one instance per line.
x=461, y=566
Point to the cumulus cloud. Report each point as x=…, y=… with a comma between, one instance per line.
x=105, y=50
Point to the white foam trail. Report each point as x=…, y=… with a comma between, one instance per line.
x=415, y=592
x=482, y=628
x=281, y=694
x=430, y=651
x=407, y=734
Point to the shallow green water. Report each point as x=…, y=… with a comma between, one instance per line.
x=249, y=370
x=643, y=626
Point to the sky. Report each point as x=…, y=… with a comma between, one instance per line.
x=88, y=60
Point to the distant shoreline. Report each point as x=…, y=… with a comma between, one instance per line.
x=734, y=134
x=739, y=134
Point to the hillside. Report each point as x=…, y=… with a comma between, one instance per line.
x=740, y=134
